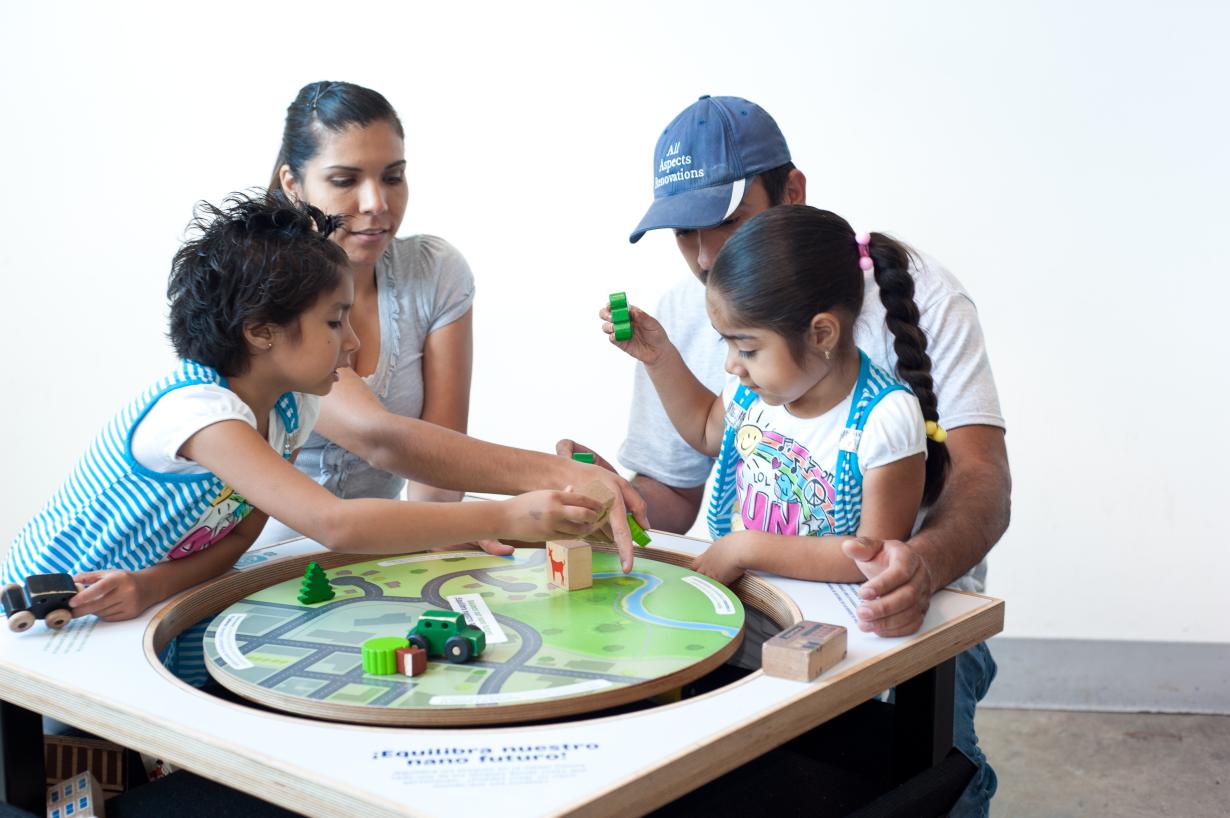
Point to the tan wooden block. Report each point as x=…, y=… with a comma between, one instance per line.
x=570, y=564
x=804, y=651
x=602, y=493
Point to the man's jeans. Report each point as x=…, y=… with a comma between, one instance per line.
x=975, y=672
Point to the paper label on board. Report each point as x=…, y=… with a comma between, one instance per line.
x=478, y=614
x=224, y=641
x=721, y=602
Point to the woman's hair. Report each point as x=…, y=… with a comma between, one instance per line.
x=256, y=259
x=793, y=261
x=321, y=106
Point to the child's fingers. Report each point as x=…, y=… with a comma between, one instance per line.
x=88, y=601
x=575, y=499
x=495, y=547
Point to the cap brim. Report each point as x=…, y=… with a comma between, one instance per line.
x=687, y=210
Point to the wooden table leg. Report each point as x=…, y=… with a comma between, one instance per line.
x=922, y=722
x=22, y=775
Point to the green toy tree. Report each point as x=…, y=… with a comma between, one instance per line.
x=315, y=587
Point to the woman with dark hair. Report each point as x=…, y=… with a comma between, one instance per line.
x=343, y=150
x=404, y=415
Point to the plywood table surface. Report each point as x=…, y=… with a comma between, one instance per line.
x=97, y=676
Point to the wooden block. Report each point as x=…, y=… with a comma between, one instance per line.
x=79, y=797
x=570, y=564
x=804, y=651
x=602, y=493
x=411, y=661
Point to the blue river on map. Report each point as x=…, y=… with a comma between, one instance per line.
x=634, y=603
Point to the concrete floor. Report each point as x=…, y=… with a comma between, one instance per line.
x=1056, y=764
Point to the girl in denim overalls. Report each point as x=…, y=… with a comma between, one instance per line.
x=815, y=444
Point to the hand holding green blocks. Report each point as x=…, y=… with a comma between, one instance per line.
x=621, y=317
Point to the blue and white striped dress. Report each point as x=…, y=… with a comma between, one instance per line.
x=113, y=513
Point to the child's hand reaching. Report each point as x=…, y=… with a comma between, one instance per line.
x=537, y=516
x=111, y=595
x=723, y=559
x=649, y=342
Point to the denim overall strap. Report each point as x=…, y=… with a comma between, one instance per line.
x=722, y=503
x=872, y=385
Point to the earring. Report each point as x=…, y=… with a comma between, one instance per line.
x=828, y=354
x=269, y=345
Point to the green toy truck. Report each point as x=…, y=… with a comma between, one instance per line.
x=445, y=633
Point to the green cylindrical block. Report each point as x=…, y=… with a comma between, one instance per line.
x=380, y=654
x=619, y=301
x=620, y=315
x=583, y=457
x=623, y=332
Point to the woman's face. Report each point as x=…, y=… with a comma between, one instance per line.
x=360, y=173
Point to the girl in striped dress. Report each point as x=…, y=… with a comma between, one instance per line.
x=815, y=444
x=178, y=484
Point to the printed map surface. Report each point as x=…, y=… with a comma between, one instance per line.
x=543, y=643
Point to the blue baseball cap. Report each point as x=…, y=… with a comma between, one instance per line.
x=703, y=160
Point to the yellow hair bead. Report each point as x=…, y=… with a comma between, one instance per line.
x=936, y=432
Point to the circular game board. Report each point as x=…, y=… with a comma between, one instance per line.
x=550, y=652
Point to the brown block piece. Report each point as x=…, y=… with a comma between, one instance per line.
x=411, y=661
x=570, y=565
x=603, y=494
x=804, y=651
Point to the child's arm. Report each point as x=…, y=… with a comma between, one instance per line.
x=892, y=494
x=697, y=414
x=354, y=418
x=117, y=594
x=237, y=454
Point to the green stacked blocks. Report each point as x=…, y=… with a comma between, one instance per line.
x=621, y=317
x=380, y=654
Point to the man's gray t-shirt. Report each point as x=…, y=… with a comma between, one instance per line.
x=964, y=385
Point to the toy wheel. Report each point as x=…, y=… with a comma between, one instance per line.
x=419, y=642
x=58, y=619
x=457, y=650
x=20, y=621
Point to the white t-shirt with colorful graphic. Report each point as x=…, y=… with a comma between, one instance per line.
x=183, y=412
x=785, y=477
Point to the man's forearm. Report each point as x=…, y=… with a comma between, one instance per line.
x=670, y=509
x=970, y=516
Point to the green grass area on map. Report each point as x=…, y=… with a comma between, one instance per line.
x=613, y=633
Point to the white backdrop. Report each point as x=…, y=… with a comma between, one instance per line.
x=1070, y=163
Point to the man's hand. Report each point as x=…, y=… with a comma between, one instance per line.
x=898, y=588
x=110, y=595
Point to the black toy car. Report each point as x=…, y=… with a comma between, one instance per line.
x=44, y=596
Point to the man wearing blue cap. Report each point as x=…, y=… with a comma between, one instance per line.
x=719, y=163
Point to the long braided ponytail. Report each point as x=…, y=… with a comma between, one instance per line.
x=892, y=274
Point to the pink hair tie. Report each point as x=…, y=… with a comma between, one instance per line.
x=864, y=255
